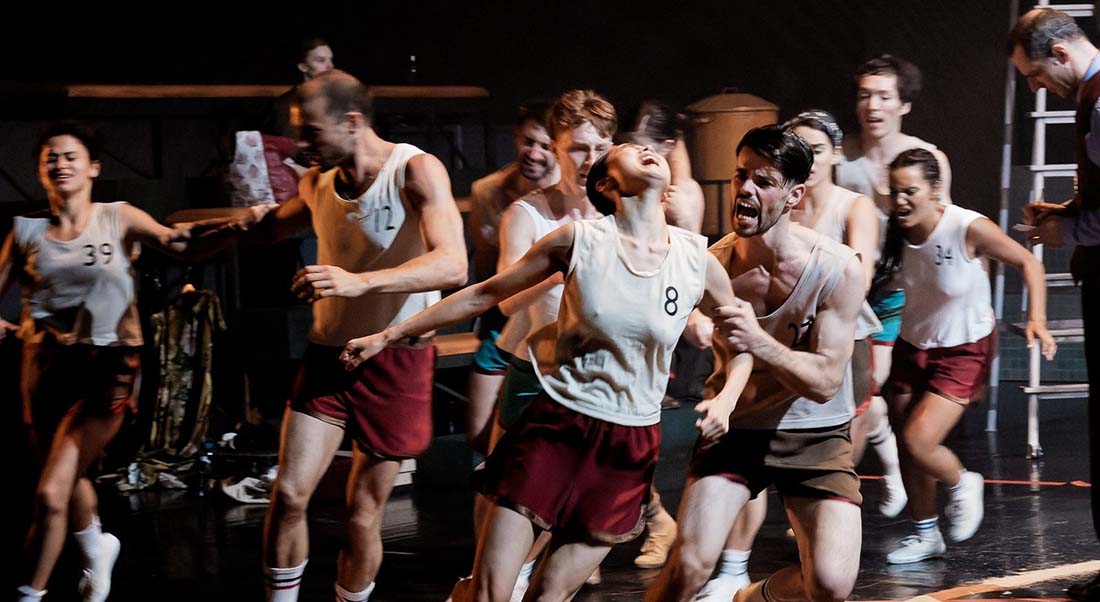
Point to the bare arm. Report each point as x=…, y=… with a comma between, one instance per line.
x=716, y=412
x=517, y=236
x=945, y=174
x=139, y=226
x=8, y=257
x=684, y=205
x=428, y=190
x=549, y=255
x=862, y=234
x=985, y=239
x=816, y=374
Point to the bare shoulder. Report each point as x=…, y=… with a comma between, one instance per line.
x=423, y=167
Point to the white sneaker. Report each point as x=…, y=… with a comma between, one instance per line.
x=894, y=497
x=916, y=548
x=967, y=507
x=95, y=584
x=723, y=587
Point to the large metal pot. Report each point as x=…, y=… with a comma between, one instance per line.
x=715, y=125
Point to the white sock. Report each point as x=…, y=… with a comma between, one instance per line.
x=343, y=595
x=954, y=489
x=89, y=539
x=733, y=563
x=281, y=584
x=927, y=527
x=882, y=439
x=29, y=594
x=526, y=571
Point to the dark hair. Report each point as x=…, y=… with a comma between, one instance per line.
x=597, y=172
x=907, y=74
x=787, y=151
x=889, y=262
x=577, y=106
x=309, y=46
x=822, y=121
x=922, y=158
x=1040, y=29
x=655, y=120
x=86, y=135
x=535, y=110
x=343, y=93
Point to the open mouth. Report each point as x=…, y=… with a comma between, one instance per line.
x=902, y=213
x=649, y=160
x=746, y=209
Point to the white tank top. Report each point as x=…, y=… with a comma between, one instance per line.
x=608, y=354
x=832, y=221
x=376, y=231
x=947, y=297
x=765, y=403
x=81, y=290
x=541, y=311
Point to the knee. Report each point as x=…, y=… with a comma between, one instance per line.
x=693, y=568
x=915, y=441
x=364, y=520
x=829, y=588
x=53, y=500
x=290, y=499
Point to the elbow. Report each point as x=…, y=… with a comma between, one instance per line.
x=455, y=274
x=825, y=392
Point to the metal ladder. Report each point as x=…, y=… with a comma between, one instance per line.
x=1064, y=331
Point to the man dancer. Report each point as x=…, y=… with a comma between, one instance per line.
x=535, y=168
x=1051, y=51
x=790, y=427
x=886, y=88
x=389, y=237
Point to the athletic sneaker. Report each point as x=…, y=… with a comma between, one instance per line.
x=916, y=548
x=967, y=506
x=894, y=497
x=95, y=583
x=723, y=587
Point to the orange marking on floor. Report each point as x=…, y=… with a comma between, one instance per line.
x=1085, y=484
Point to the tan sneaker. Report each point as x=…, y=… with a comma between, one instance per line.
x=662, y=532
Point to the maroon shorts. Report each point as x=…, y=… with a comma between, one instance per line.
x=582, y=478
x=386, y=402
x=958, y=373
x=83, y=380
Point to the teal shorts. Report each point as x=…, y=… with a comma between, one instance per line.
x=888, y=310
x=489, y=359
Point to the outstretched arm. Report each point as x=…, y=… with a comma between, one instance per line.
x=549, y=255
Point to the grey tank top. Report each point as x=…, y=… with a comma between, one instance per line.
x=79, y=290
